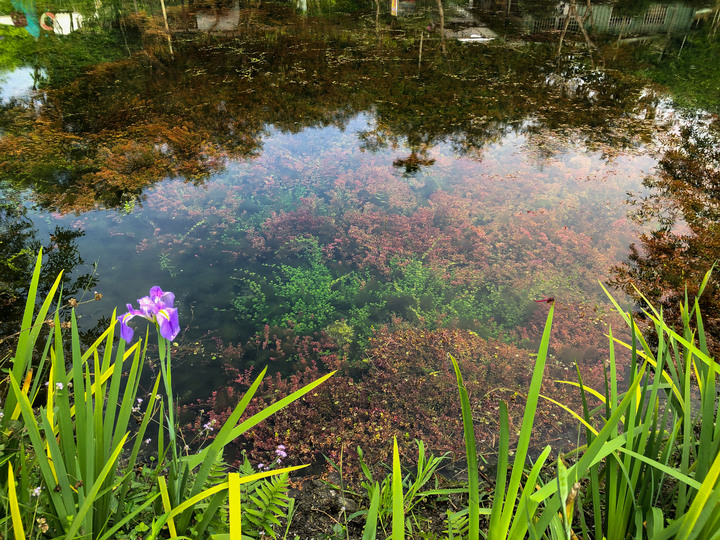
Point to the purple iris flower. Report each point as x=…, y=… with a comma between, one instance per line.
x=157, y=308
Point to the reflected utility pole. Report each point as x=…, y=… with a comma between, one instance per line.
x=377, y=18
x=167, y=27
x=442, y=26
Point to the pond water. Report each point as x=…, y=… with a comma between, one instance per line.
x=325, y=177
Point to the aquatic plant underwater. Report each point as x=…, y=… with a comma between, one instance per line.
x=79, y=457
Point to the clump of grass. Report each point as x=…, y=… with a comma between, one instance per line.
x=650, y=465
x=67, y=451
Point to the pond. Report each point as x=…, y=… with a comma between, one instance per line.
x=333, y=191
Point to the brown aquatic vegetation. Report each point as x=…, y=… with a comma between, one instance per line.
x=404, y=386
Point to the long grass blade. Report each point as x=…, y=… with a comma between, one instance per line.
x=471, y=453
x=169, y=515
x=398, y=517
x=128, y=517
x=597, y=450
x=235, y=508
x=527, y=506
x=224, y=435
x=92, y=494
x=167, y=506
x=18, y=529
x=572, y=413
x=370, y=530
x=692, y=519
x=39, y=448
x=29, y=331
x=259, y=417
x=526, y=429
x=502, y=468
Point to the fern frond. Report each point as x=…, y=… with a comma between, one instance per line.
x=457, y=524
x=218, y=472
x=266, y=502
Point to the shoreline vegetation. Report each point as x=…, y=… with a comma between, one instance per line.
x=82, y=456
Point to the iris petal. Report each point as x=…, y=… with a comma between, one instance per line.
x=168, y=299
x=168, y=322
x=161, y=298
x=125, y=331
x=148, y=307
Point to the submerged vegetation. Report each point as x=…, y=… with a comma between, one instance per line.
x=72, y=467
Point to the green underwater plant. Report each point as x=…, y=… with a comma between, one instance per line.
x=305, y=296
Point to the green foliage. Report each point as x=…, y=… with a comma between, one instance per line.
x=64, y=58
x=412, y=488
x=269, y=502
x=692, y=73
x=19, y=244
x=660, y=424
x=651, y=468
x=264, y=502
x=18, y=48
x=310, y=295
x=418, y=290
x=67, y=451
x=78, y=468
x=340, y=332
x=305, y=295
x=639, y=471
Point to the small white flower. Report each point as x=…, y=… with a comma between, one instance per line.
x=36, y=492
x=147, y=441
x=59, y=385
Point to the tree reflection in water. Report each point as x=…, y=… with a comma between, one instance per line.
x=19, y=246
x=684, y=203
x=96, y=141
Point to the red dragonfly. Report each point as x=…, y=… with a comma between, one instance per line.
x=549, y=300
